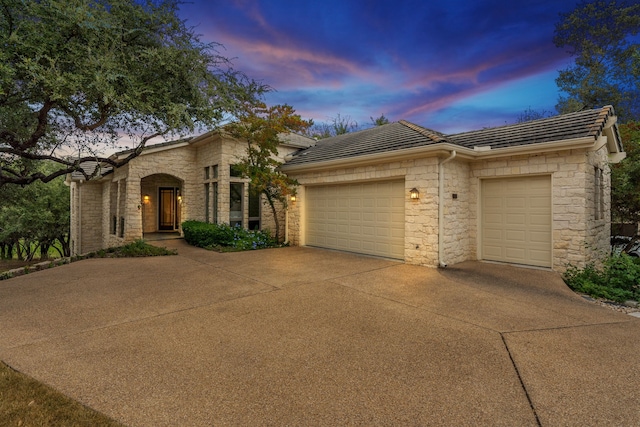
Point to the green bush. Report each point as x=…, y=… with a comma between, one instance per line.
x=225, y=237
x=617, y=280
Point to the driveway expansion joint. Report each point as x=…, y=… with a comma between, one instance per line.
x=522, y=384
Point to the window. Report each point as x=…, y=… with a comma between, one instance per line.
x=215, y=171
x=206, y=173
x=234, y=171
x=236, y=193
x=599, y=194
x=215, y=203
x=254, y=209
x=206, y=202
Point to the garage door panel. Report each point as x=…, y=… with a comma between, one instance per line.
x=364, y=217
x=516, y=220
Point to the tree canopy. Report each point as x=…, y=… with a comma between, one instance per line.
x=602, y=37
x=35, y=216
x=625, y=177
x=75, y=76
x=262, y=128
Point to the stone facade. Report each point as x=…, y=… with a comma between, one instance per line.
x=421, y=216
x=123, y=205
x=578, y=236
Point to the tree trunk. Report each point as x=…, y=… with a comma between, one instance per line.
x=275, y=217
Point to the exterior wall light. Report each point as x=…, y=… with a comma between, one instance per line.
x=414, y=194
x=293, y=198
x=145, y=199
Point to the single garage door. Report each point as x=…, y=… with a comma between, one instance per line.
x=516, y=220
x=366, y=218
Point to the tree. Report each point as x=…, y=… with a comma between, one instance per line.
x=262, y=128
x=338, y=125
x=379, y=121
x=601, y=36
x=75, y=76
x=531, y=114
x=35, y=216
x=625, y=177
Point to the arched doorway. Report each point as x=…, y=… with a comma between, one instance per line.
x=161, y=204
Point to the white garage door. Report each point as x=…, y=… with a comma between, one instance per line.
x=367, y=218
x=516, y=220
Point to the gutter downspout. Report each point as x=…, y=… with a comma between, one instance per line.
x=441, y=262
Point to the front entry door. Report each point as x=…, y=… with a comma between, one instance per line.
x=168, y=212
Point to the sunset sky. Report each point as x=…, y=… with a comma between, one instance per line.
x=450, y=66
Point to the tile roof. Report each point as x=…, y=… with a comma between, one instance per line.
x=389, y=137
x=403, y=135
x=582, y=124
x=91, y=167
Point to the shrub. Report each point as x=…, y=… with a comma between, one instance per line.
x=223, y=236
x=131, y=250
x=617, y=280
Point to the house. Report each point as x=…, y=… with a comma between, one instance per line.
x=534, y=193
x=168, y=183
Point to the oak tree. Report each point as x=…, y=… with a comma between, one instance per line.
x=78, y=75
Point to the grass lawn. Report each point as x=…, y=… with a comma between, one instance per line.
x=29, y=403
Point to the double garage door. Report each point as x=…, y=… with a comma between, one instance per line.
x=516, y=220
x=366, y=218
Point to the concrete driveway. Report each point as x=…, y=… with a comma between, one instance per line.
x=302, y=336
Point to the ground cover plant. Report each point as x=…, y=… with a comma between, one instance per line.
x=27, y=402
x=618, y=279
x=139, y=248
x=225, y=238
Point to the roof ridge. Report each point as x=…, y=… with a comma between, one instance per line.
x=431, y=134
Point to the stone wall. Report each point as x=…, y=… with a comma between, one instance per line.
x=121, y=194
x=90, y=217
x=456, y=197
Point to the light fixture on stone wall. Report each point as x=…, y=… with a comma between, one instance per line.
x=414, y=194
x=145, y=199
x=293, y=198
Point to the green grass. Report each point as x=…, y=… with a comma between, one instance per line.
x=29, y=403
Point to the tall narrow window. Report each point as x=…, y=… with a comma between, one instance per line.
x=254, y=209
x=215, y=203
x=206, y=172
x=206, y=202
x=236, y=194
x=599, y=194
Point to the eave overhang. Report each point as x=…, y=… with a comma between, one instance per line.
x=443, y=149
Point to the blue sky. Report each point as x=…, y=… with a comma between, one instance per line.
x=450, y=66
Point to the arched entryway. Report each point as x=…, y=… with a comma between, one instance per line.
x=161, y=205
